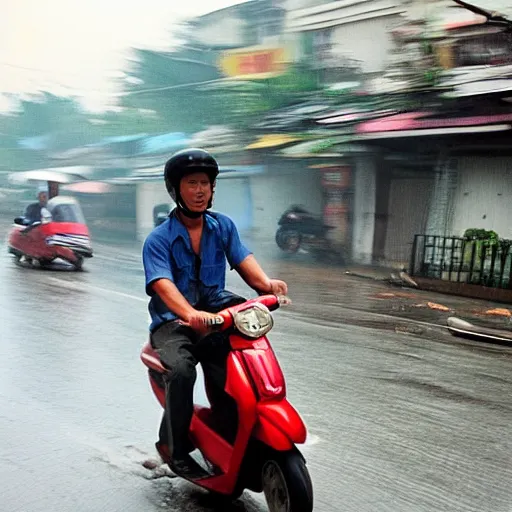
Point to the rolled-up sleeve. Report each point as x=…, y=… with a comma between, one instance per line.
x=236, y=251
x=156, y=258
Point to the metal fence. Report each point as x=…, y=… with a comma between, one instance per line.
x=463, y=261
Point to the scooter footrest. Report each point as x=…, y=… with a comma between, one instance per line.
x=210, y=468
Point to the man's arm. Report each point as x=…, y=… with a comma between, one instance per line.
x=173, y=299
x=241, y=259
x=252, y=273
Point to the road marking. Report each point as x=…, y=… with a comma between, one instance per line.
x=79, y=286
x=329, y=324
x=123, y=258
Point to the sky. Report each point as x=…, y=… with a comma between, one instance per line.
x=79, y=46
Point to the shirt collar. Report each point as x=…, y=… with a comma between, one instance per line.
x=178, y=230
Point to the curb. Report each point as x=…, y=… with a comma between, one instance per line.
x=366, y=276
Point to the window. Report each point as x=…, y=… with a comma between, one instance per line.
x=489, y=49
x=322, y=43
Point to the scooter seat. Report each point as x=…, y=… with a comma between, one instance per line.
x=151, y=359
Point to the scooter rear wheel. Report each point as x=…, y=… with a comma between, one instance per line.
x=286, y=483
x=45, y=264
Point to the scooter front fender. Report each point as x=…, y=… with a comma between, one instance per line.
x=279, y=425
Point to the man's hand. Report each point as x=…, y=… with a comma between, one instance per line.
x=198, y=321
x=278, y=287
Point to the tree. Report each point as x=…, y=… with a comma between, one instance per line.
x=187, y=92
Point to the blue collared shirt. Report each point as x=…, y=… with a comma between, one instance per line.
x=167, y=254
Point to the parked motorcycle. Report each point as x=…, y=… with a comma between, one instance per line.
x=260, y=454
x=161, y=213
x=299, y=229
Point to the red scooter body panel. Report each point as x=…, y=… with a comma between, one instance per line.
x=216, y=449
x=34, y=241
x=279, y=425
x=264, y=369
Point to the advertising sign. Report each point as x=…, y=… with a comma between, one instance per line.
x=251, y=63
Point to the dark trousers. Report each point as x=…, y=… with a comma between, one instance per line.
x=180, y=350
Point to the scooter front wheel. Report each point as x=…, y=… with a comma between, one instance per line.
x=288, y=240
x=78, y=264
x=286, y=483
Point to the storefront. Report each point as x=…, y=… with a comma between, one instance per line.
x=336, y=182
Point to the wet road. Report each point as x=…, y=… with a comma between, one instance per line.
x=398, y=421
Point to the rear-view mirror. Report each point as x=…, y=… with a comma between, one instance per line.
x=20, y=221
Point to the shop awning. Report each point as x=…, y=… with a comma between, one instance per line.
x=417, y=124
x=310, y=149
x=329, y=147
x=273, y=141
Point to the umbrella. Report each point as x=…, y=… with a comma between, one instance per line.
x=52, y=175
x=89, y=187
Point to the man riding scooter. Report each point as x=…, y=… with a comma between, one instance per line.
x=33, y=210
x=185, y=264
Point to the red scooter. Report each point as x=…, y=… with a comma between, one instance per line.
x=261, y=455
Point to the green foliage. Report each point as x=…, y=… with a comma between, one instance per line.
x=490, y=237
x=171, y=84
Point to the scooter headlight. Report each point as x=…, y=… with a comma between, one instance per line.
x=254, y=322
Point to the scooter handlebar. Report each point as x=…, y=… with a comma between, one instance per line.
x=217, y=320
x=224, y=319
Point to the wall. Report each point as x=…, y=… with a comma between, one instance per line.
x=148, y=195
x=483, y=198
x=233, y=198
x=364, y=209
x=360, y=30
x=285, y=184
x=445, y=185
x=409, y=204
x=367, y=41
x=338, y=12
x=254, y=202
x=222, y=30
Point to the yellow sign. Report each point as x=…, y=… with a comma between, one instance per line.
x=254, y=63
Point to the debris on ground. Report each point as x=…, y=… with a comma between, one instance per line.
x=437, y=307
x=383, y=295
x=389, y=295
x=402, y=278
x=409, y=329
x=498, y=312
x=408, y=280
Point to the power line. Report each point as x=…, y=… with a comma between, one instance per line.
x=38, y=70
x=169, y=87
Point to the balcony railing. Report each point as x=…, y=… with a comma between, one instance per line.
x=463, y=261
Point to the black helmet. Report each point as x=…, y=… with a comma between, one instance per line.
x=183, y=163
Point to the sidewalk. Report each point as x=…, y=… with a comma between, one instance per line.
x=427, y=305
x=373, y=273
x=368, y=289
